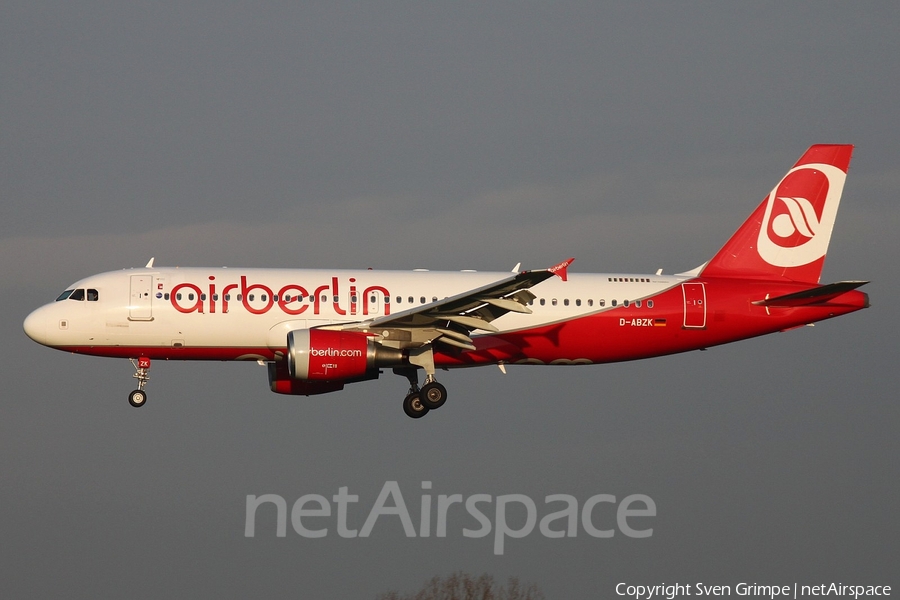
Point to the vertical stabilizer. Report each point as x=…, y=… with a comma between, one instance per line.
x=787, y=236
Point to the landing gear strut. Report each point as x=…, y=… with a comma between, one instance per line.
x=418, y=402
x=138, y=397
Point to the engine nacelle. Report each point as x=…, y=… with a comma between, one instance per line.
x=281, y=382
x=326, y=355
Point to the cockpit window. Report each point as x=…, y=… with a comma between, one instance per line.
x=92, y=295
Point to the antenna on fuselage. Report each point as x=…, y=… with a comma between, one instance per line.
x=149, y=265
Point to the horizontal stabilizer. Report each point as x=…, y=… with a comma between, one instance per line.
x=817, y=295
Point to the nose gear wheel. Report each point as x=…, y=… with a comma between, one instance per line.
x=138, y=397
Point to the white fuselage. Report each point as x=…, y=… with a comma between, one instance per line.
x=254, y=308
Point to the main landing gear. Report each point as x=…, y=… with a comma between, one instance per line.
x=138, y=397
x=419, y=401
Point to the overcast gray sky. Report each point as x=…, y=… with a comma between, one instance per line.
x=632, y=136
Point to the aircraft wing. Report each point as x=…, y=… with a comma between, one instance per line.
x=452, y=320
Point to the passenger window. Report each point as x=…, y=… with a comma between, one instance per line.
x=566, y=302
x=625, y=303
x=590, y=302
x=92, y=295
x=649, y=303
x=411, y=300
x=637, y=303
x=614, y=302
x=578, y=302
x=603, y=303
x=77, y=295
x=543, y=302
x=553, y=302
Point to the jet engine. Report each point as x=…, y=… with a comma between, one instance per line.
x=281, y=382
x=336, y=356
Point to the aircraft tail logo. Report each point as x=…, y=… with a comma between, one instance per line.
x=787, y=236
x=796, y=230
x=801, y=217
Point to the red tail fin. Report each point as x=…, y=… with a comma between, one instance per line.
x=787, y=236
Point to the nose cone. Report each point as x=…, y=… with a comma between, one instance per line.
x=35, y=326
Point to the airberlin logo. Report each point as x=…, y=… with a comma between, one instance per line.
x=291, y=299
x=793, y=233
x=334, y=352
x=801, y=218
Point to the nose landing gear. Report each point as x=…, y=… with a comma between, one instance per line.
x=138, y=397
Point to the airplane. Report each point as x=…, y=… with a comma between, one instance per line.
x=318, y=330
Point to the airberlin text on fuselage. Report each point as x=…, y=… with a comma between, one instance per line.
x=292, y=299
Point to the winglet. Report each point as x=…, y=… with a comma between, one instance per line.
x=560, y=269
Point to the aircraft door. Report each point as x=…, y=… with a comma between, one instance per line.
x=139, y=305
x=694, y=305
